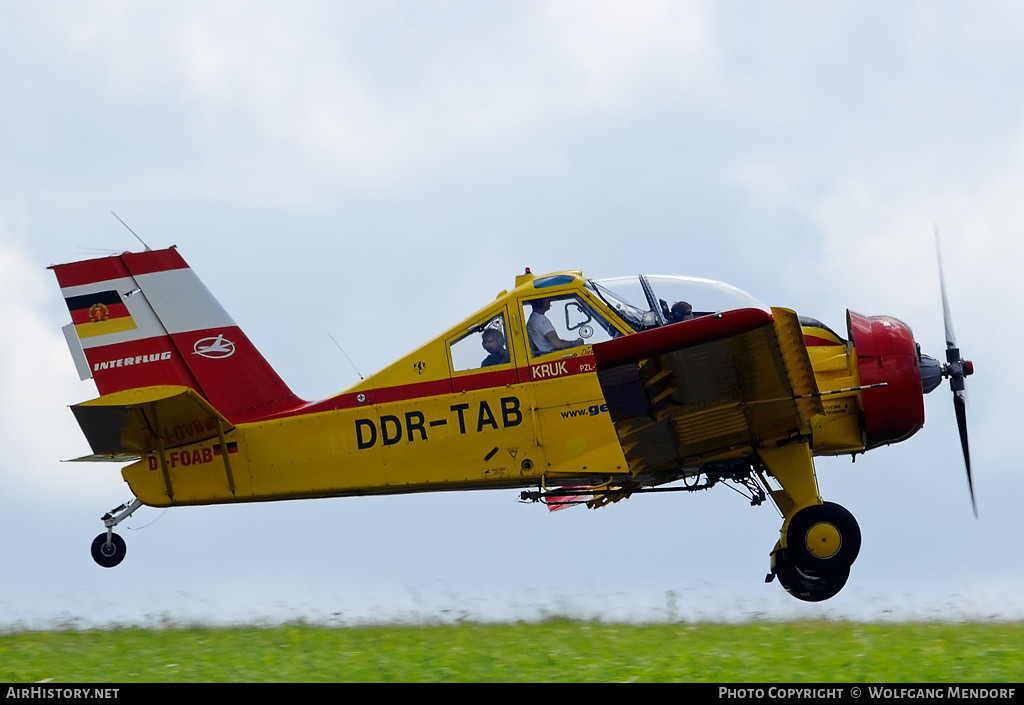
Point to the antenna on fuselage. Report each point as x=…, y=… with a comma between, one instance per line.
x=131, y=231
x=346, y=356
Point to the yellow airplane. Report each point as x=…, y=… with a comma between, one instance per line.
x=584, y=391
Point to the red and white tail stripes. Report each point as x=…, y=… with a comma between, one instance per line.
x=145, y=319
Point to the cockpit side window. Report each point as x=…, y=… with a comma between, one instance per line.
x=484, y=345
x=562, y=322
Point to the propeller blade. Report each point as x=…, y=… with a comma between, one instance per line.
x=960, y=406
x=957, y=369
x=946, y=317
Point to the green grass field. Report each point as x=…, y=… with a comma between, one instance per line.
x=557, y=650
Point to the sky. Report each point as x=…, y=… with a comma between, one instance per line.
x=377, y=171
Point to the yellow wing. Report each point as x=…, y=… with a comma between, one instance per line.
x=710, y=389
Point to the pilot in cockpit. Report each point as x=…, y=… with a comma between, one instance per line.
x=543, y=337
x=680, y=311
x=494, y=343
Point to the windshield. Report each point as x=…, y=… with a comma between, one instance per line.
x=647, y=301
x=620, y=295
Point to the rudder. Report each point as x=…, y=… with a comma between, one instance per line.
x=145, y=319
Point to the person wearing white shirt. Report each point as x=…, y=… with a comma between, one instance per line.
x=543, y=337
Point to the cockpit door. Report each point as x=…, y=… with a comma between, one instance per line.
x=483, y=355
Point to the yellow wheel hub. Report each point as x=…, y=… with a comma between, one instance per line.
x=823, y=540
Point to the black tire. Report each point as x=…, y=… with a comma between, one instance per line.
x=806, y=587
x=823, y=540
x=108, y=555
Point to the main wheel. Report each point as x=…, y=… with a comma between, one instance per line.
x=807, y=587
x=823, y=540
x=108, y=554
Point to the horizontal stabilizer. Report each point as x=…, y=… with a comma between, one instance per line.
x=134, y=422
x=106, y=458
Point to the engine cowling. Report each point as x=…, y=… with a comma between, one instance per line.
x=886, y=352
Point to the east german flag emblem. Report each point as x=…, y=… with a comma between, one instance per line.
x=99, y=313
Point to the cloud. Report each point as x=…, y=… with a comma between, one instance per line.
x=341, y=98
x=381, y=170
x=37, y=382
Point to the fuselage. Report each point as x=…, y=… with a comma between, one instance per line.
x=451, y=416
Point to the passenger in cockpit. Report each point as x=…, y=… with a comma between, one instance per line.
x=494, y=343
x=681, y=311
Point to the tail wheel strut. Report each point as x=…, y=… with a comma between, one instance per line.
x=108, y=549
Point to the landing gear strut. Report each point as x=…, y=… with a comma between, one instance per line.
x=108, y=548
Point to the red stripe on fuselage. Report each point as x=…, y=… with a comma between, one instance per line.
x=485, y=380
x=419, y=390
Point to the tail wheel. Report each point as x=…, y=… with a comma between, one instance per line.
x=823, y=540
x=807, y=587
x=108, y=553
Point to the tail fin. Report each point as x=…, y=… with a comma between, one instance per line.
x=144, y=319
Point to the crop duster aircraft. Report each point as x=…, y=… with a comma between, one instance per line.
x=582, y=391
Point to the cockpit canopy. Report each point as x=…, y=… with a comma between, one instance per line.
x=650, y=301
